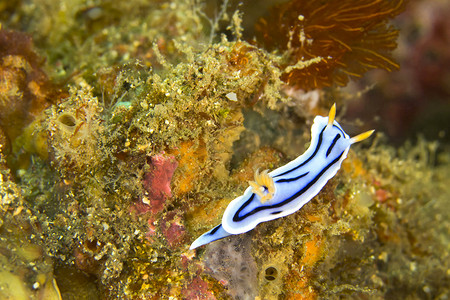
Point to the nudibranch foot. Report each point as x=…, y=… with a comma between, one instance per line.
x=286, y=189
x=214, y=234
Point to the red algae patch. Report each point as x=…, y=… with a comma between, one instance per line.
x=156, y=181
x=173, y=230
x=197, y=289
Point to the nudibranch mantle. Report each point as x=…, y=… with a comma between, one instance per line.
x=286, y=189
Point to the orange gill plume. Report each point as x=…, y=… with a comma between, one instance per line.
x=263, y=185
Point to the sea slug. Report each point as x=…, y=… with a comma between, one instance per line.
x=286, y=189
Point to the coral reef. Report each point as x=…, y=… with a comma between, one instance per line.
x=164, y=111
x=25, y=91
x=26, y=271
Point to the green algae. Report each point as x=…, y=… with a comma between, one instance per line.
x=146, y=84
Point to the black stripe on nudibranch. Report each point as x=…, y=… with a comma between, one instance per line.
x=336, y=138
x=237, y=218
x=292, y=179
x=319, y=143
x=340, y=129
x=214, y=230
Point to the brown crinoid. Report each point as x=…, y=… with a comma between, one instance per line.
x=340, y=39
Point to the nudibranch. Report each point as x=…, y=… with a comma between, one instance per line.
x=286, y=189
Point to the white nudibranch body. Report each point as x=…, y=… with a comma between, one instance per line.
x=286, y=189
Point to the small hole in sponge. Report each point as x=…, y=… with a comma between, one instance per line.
x=271, y=273
x=67, y=120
